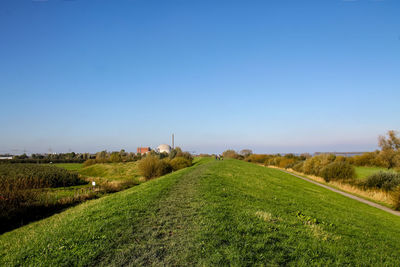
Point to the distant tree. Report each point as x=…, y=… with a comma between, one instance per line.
x=392, y=141
x=23, y=156
x=305, y=156
x=101, y=157
x=230, y=153
x=175, y=152
x=246, y=152
x=115, y=157
x=390, y=149
x=163, y=155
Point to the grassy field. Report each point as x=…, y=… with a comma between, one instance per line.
x=118, y=175
x=214, y=213
x=36, y=202
x=363, y=172
x=112, y=171
x=69, y=166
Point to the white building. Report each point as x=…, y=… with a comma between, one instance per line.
x=164, y=148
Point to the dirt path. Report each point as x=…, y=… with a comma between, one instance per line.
x=370, y=203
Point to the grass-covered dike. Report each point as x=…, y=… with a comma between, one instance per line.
x=215, y=213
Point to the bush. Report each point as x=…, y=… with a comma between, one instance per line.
x=152, y=166
x=368, y=159
x=298, y=167
x=257, y=158
x=180, y=163
x=286, y=162
x=315, y=164
x=163, y=167
x=338, y=171
x=177, y=152
x=311, y=166
x=89, y=162
x=148, y=166
x=387, y=181
x=231, y=154
x=115, y=157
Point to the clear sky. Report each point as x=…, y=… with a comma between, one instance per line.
x=270, y=75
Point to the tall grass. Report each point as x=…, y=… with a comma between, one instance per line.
x=21, y=197
x=28, y=176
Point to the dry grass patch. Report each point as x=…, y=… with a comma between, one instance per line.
x=315, y=227
x=319, y=233
x=266, y=216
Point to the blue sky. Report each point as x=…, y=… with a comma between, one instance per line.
x=273, y=76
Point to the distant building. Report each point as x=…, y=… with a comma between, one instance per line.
x=164, y=148
x=5, y=157
x=143, y=150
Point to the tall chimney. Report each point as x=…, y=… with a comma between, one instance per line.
x=173, y=145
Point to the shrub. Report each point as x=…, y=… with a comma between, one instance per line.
x=180, y=163
x=368, y=159
x=257, y=158
x=311, y=166
x=163, y=167
x=341, y=159
x=338, y=171
x=298, y=167
x=177, y=152
x=231, y=154
x=387, y=181
x=315, y=164
x=286, y=162
x=152, y=166
x=89, y=162
x=246, y=152
x=115, y=157
x=148, y=166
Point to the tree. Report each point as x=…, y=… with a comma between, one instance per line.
x=390, y=142
x=246, y=152
x=305, y=156
x=176, y=152
x=115, y=157
x=390, y=149
x=101, y=156
x=230, y=153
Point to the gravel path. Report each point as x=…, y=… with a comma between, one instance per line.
x=373, y=204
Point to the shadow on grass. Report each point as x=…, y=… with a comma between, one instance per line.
x=17, y=216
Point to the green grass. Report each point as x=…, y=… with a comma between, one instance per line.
x=112, y=171
x=102, y=172
x=363, y=172
x=214, y=213
x=69, y=166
